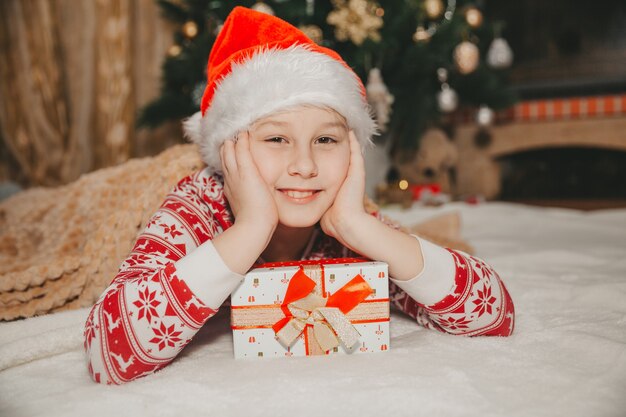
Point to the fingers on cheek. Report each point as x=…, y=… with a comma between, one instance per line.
x=356, y=153
x=222, y=158
x=228, y=193
x=244, y=156
x=242, y=136
x=228, y=156
x=238, y=151
x=354, y=144
x=352, y=138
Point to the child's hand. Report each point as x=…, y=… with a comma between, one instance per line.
x=248, y=195
x=342, y=219
x=252, y=204
x=348, y=222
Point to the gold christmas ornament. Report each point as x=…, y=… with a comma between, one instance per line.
x=421, y=35
x=355, y=20
x=190, y=29
x=174, y=51
x=466, y=56
x=434, y=8
x=314, y=32
x=263, y=8
x=474, y=17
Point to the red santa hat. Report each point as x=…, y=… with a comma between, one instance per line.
x=260, y=65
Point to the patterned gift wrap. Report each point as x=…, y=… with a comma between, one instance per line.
x=305, y=308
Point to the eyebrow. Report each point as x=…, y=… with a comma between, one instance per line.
x=270, y=122
x=334, y=124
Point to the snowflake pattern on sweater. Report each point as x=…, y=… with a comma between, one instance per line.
x=148, y=314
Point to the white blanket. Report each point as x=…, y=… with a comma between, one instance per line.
x=566, y=272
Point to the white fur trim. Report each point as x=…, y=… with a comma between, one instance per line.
x=275, y=80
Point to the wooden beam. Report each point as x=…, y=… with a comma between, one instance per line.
x=520, y=137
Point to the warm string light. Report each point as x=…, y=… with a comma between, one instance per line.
x=174, y=51
x=474, y=17
x=190, y=29
x=433, y=9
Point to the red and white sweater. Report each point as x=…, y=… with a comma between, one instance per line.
x=174, y=280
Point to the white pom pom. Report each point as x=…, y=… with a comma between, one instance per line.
x=192, y=128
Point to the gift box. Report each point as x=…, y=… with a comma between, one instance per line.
x=323, y=307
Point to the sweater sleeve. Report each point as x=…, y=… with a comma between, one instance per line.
x=170, y=284
x=455, y=293
x=475, y=303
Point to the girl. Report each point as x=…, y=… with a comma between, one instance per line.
x=281, y=128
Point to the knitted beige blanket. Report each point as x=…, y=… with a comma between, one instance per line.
x=60, y=247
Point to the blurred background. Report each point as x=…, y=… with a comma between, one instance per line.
x=476, y=100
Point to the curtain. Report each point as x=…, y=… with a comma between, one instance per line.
x=73, y=75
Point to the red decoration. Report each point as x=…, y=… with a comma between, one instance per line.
x=419, y=189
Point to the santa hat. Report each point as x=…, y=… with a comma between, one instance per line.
x=260, y=65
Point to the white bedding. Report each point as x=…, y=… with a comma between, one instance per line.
x=566, y=272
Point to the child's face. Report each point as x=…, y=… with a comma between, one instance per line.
x=303, y=155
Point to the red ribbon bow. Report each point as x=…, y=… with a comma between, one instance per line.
x=301, y=286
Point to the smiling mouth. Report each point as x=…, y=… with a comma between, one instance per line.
x=299, y=195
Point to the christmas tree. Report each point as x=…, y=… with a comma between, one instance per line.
x=420, y=59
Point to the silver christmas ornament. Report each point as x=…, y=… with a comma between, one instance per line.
x=442, y=75
x=485, y=116
x=447, y=99
x=310, y=7
x=499, y=54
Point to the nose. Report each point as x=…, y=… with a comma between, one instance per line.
x=302, y=163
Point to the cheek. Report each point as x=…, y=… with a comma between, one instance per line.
x=337, y=166
x=266, y=162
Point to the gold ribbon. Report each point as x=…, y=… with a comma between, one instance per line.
x=330, y=325
x=306, y=306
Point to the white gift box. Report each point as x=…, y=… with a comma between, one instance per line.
x=329, y=306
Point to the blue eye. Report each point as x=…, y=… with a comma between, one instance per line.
x=326, y=140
